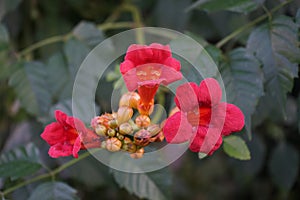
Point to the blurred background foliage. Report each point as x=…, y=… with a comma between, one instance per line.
x=255, y=44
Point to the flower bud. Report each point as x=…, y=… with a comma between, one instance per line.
x=111, y=132
x=142, y=121
x=142, y=138
x=101, y=130
x=129, y=99
x=125, y=129
x=113, y=144
x=124, y=114
x=138, y=154
x=101, y=120
x=120, y=136
x=154, y=129
x=113, y=123
x=128, y=145
x=158, y=138
x=103, y=144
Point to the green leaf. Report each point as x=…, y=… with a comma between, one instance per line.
x=236, y=147
x=20, y=162
x=154, y=185
x=298, y=17
x=241, y=6
x=284, y=166
x=174, y=17
x=75, y=53
x=4, y=37
x=88, y=33
x=243, y=81
x=275, y=45
x=58, y=77
x=31, y=88
x=53, y=190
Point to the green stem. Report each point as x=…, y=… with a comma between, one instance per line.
x=249, y=25
x=136, y=15
x=50, y=40
x=49, y=174
x=62, y=38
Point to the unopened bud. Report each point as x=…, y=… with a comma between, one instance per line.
x=142, y=138
x=154, y=129
x=129, y=99
x=103, y=144
x=128, y=145
x=124, y=114
x=158, y=138
x=142, y=121
x=111, y=132
x=125, y=129
x=101, y=130
x=138, y=154
x=113, y=144
x=120, y=136
x=113, y=123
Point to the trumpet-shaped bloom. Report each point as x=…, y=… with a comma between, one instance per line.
x=203, y=119
x=68, y=135
x=146, y=67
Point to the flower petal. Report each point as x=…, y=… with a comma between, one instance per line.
x=186, y=97
x=76, y=147
x=210, y=92
x=207, y=140
x=53, y=133
x=126, y=66
x=234, y=120
x=60, y=150
x=177, y=129
x=169, y=75
x=160, y=52
x=172, y=63
x=138, y=54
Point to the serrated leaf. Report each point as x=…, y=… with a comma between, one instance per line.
x=75, y=53
x=284, y=166
x=275, y=45
x=53, y=190
x=153, y=185
x=236, y=147
x=31, y=88
x=57, y=74
x=241, y=6
x=20, y=162
x=243, y=79
x=4, y=37
x=88, y=33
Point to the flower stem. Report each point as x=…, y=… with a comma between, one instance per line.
x=62, y=38
x=249, y=25
x=49, y=174
x=136, y=15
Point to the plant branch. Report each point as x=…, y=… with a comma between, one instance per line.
x=136, y=15
x=49, y=174
x=249, y=25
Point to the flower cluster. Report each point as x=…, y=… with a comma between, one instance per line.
x=199, y=117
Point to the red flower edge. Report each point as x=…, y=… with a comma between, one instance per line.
x=67, y=136
x=203, y=119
